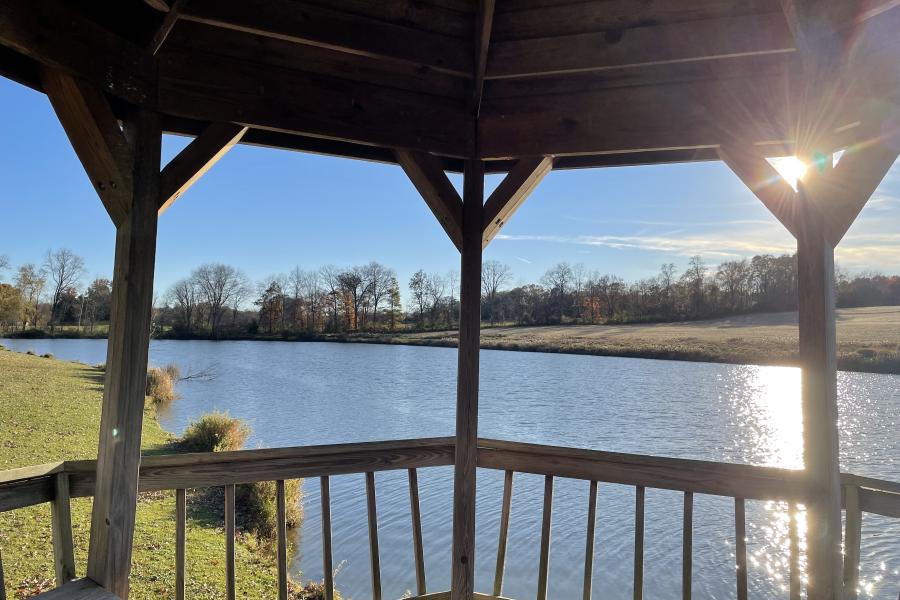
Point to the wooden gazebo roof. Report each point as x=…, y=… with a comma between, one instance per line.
x=592, y=83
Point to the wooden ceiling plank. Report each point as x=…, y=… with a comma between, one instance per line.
x=197, y=37
x=297, y=22
x=196, y=159
x=754, y=170
x=218, y=89
x=95, y=135
x=482, y=45
x=55, y=34
x=427, y=175
x=666, y=44
x=518, y=184
x=422, y=15
x=165, y=28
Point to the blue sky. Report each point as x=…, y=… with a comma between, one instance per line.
x=265, y=211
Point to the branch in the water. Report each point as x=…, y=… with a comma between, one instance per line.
x=208, y=373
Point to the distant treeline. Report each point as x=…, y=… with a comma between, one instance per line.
x=218, y=300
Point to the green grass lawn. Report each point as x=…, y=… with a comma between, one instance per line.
x=50, y=411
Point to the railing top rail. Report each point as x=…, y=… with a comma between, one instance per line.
x=32, y=485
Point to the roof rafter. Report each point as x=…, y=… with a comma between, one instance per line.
x=94, y=132
x=196, y=159
x=428, y=176
x=523, y=177
x=483, y=26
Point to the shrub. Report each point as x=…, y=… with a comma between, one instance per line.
x=161, y=384
x=30, y=352
x=47, y=355
x=866, y=352
x=257, y=510
x=215, y=432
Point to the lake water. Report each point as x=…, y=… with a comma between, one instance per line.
x=317, y=393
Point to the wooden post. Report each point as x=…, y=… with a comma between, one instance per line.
x=462, y=585
x=815, y=271
x=63, y=547
x=119, y=455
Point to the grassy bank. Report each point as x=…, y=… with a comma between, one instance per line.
x=50, y=411
x=868, y=339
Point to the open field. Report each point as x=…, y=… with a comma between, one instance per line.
x=868, y=339
x=50, y=411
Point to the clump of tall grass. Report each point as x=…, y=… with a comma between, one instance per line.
x=161, y=384
x=314, y=590
x=256, y=502
x=215, y=432
x=47, y=355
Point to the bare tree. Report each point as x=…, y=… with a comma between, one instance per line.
x=217, y=284
x=4, y=263
x=65, y=269
x=378, y=285
x=184, y=295
x=494, y=275
x=353, y=285
x=242, y=290
x=330, y=278
x=30, y=281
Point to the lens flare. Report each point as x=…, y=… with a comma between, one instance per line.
x=791, y=169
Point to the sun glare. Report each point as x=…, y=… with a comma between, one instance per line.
x=791, y=169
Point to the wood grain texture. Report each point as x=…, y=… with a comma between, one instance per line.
x=196, y=159
x=119, y=454
x=94, y=133
x=418, y=546
x=515, y=188
x=483, y=24
x=466, y=457
x=503, y=535
x=546, y=521
x=80, y=589
x=61, y=518
x=639, y=497
x=229, y=543
x=760, y=483
x=427, y=175
x=818, y=357
x=281, y=555
x=374, y=557
x=740, y=547
x=180, y=541
x=852, y=540
x=327, y=554
x=687, y=547
x=589, y=542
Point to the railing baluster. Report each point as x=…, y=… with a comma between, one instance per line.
x=687, y=550
x=61, y=517
x=504, y=532
x=794, y=536
x=589, y=542
x=281, y=534
x=740, y=547
x=852, y=540
x=180, y=541
x=2, y=580
x=544, y=566
x=373, y=535
x=639, y=542
x=327, y=564
x=229, y=542
x=416, y=516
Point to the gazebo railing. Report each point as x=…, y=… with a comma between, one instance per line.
x=57, y=483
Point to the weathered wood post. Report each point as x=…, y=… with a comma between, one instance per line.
x=118, y=459
x=462, y=586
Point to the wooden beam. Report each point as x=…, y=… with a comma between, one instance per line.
x=655, y=44
x=518, y=184
x=483, y=26
x=56, y=34
x=754, y=170
x=818, y=356
x=629, y=119
x=94, y=133
x=463, y=568
x=196, y=159
x=305, y=23
x=427, y=175
x=165, y=28
x=213, y=88
x=119, y=454
x=842, y=192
